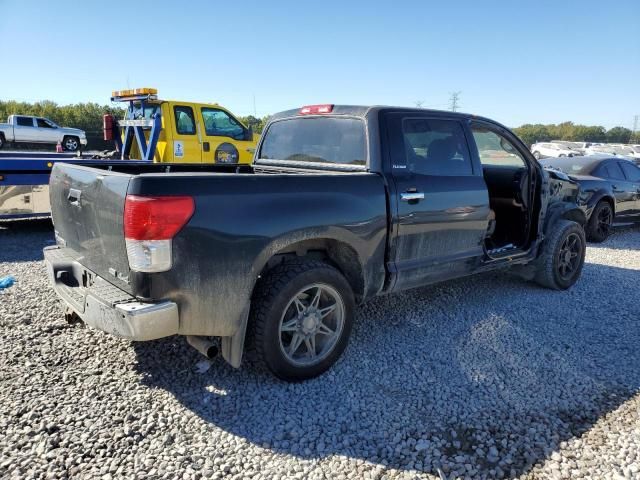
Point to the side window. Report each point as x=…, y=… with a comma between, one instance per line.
x=42, y=123
x=220, y=123
x=24, y=121
x=494, y=149
x=436, y=147
x=185, y=121
x=614, y=171
x=630, y=171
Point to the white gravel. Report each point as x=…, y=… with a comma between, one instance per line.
x=485, y=377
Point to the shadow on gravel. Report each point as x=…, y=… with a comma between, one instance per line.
x=23, y=240
x=491, y=372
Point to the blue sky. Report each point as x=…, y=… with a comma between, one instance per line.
x=517, y=62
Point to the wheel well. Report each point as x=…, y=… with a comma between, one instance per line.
x=575, y=215
x=336, y=253
x=611, y=203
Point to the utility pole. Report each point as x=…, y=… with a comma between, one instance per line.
x=634, y=135
x=455, y=96
x=254, y=106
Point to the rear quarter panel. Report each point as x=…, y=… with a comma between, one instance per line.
x=241, y=221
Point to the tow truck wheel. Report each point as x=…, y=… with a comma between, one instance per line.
x=71, y=144
x=301, y=315
x=2, y=142
x=562, y=257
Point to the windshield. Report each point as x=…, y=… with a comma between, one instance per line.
x=331, y=140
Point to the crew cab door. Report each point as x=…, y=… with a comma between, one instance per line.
x=225, y=139
x=440, y=204
x=187, y=137
x=24, y=129
x=46, y=132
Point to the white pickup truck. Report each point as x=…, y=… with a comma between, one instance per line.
x=27, y=129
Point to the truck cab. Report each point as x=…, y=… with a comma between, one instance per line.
x=188, y=132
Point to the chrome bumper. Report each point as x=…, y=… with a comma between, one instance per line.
x=106, y=307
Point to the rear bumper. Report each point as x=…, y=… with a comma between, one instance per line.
x=104, y=306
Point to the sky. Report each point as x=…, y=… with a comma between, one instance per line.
x=514, y=61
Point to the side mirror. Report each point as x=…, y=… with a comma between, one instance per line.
x=248, y=134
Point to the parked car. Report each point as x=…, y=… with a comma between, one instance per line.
x=612, y=149
x=610, y=188
x=544, y=150
x=27, y=129
x=341, y=204
x=579, y=147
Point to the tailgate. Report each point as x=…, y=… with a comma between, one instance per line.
x=87, y=207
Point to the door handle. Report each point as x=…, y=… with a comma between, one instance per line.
x=205, y=147
x=411, y=196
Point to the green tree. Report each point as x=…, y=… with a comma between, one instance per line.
x=619, y=135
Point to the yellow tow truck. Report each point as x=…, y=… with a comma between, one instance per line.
x=178, y=132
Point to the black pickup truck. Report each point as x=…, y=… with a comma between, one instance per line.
x=341, y=204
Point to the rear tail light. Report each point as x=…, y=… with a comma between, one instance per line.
x=316, y=109
x=150, y=223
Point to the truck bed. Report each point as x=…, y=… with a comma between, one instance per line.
x=243, y=216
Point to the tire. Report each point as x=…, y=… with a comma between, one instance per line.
x=71, y=144
x=556, y=269
x=537, y=155
x=288, y=323
x=562, y=155
x=2, y=140
x=599, y=225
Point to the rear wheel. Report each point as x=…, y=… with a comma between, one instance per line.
x=71, y=144
x=599, y=225
x=302, y=315
x=562, y=257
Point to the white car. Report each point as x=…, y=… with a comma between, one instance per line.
x=28, y=129
x=544, y=150
x=618, y=150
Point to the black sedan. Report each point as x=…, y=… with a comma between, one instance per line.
x=610, y=187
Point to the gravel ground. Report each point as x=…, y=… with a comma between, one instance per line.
x=485, y=377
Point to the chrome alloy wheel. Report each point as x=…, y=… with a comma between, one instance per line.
x=311, y=324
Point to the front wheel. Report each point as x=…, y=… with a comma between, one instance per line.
x=537, y=155
x=562, y=257
x=2, y=141
x=71, y=144
x=302, y=315
x=599, y=225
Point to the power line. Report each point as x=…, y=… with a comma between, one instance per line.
x=453, y=102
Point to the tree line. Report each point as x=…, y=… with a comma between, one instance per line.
x=88, y=117
x=574, y=132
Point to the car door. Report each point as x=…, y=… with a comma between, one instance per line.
x=632, y=174
x=623, y=190
x=225, y=139
x=441, y=200
x=46, y=132
x=24, y=129
x=186, y=137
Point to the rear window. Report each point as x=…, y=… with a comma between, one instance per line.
x=332, y=140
